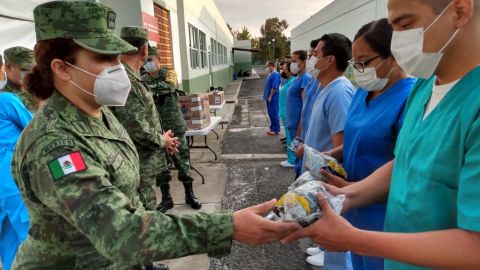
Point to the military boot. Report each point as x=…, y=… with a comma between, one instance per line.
x=167, y=202
x=156, y=266
x=190, y=197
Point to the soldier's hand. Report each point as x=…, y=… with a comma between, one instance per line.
x=251, y=227
x=171, y=143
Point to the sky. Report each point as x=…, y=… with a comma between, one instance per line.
x=253, y=13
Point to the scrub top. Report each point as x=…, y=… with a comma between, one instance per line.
x=294, y=100
x=273, y=81
x=283, y=97
x=14, y=117
x=309, y=96
x=329, y=113
x=435, y=183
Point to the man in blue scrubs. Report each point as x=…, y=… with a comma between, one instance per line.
x=329, y=111
x=270, y=95
x=433, y=185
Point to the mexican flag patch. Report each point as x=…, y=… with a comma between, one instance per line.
x=66, y=165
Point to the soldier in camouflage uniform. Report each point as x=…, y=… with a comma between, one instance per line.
x=78, y=170
x=163, y=84
x=140, y=117
x=18, y=61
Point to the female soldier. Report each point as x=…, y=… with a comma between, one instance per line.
x=78, y=169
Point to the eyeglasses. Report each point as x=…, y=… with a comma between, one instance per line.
x=360, y=66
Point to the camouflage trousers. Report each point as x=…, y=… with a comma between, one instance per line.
x=181, y=162
x=146, y=189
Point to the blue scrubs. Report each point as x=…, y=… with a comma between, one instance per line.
x=14, y=222
x=435, y=183
x=272, y=82
x=283, y=115
x=295, y=102
x=328, y=115
x=370, y=134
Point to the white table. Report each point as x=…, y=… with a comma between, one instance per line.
x=191, y=133
x=215, y=108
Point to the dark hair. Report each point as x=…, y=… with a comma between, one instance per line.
x=287, y=64
x=1, y=61
x=270, y=64
x=138, y=43
x=378, y=35
x=314, y=43
x=39, y=82
x=288, y=57
x=339, y=46
x=302, y=55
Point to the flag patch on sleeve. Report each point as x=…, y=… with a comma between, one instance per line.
x=66, y=165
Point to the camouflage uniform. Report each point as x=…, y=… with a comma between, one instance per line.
x=140, y=117
x=90, y=217
x=163, y=86
x=23, y=58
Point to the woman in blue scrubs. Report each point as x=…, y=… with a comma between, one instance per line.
x=373, y=122
x=433, y=185
x=14, y=222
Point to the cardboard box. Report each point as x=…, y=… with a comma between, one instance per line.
x=197, y=123
x=216, y=98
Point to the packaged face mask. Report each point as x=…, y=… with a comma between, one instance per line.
x=295, y=144
x=301, y=204
x=316, y=161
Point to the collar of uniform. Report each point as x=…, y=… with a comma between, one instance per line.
x=83, y=123
x=12, y=87
x=131, y=72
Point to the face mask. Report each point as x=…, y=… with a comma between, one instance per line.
x=369, y=80
x=111, y=88
x=22, y=76
x=311, y=64
x=407, y=48
x=4, y=81
x=150, y=66
x=267, y=70
x=294, y=68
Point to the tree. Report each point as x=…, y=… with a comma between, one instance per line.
x=231, y=29
x=243, y=35
x=273, y=43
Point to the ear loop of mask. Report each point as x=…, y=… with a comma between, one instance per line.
x=78, y=86
x=434, y=21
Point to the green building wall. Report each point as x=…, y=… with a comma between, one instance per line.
x=201, y=84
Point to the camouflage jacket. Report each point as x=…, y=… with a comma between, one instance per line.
x=78, y=176
x=140, y=117
x=23, y=95
x=163, y=87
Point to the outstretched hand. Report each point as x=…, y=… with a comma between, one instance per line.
x=331, y=231
x=251, y=227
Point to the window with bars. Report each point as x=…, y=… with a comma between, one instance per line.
x=198, y=48
x=219, y=53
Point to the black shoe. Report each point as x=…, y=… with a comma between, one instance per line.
x=167, y=202
x=283, y=139
x=190, y=197
x=156, y=266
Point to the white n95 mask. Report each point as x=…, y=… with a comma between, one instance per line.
x=407, y=48
x=112, y=85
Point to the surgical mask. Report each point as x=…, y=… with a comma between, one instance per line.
x=407, y=48
x=267, y=70
x=311, y=64
x=3, y=83
x=112, y=85
x=369, y=80
x=23, y=73
x=150, y=66
x=294, y=68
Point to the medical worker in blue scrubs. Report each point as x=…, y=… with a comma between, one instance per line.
x=288, y=78
x=433, y=185
x=270, y=95
x=373, y=122
x=14, y=222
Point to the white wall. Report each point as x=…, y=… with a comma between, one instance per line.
x=341, y=16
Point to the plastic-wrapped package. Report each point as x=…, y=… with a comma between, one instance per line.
x=316, y=161
x=295, y=144
x=301, y=205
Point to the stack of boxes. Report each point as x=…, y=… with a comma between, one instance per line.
x=195, y=110
x=216, y=98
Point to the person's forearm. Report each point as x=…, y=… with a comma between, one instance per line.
x=373, y=189
x=336, y=152
x=447, y=249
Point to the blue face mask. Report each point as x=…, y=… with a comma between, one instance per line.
x=149, y=66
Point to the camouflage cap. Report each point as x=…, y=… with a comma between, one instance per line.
x=91, y=25
x=134, y=32
x=152, y=51
x=20, y=56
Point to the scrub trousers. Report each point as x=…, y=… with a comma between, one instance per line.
x=14, y=226
x=272, y=108
x=337, y=261
x=290, y=154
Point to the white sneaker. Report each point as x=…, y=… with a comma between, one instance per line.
x=287, y=164
x=313, y=251
x=316, y=260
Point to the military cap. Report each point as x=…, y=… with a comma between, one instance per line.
x=152, y=51
x=90, y=25
x=134, y=32
x=20, y=56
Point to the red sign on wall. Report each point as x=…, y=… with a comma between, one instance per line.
x=150, y=22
